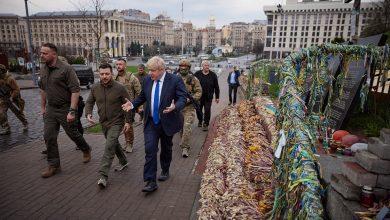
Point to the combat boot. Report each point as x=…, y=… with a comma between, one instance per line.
x=129, y=147
x=50, y=171
x=87, y=156
x=25, y=127
x=6, y=131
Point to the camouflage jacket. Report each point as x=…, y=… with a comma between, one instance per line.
x=193, y=86
x=131, y=83
x=9, y=85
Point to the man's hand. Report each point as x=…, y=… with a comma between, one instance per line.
x=127, y=106
x=217, y=101
x=140, y=109
x=90, y=120
x=126, y=127
x=170, y=108
x=70, y=117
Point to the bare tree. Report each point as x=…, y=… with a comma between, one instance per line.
x=258, y=47
x=94, y=15
x=380, y=21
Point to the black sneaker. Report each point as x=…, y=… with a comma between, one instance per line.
x=164, y=176
x=150, y=187
x=200, y=124
x=205, y=127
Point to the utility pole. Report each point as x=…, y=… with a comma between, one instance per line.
x=182, y=29
x=30, y=48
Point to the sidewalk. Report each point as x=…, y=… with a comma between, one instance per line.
x=26, y=84
x=73, y=193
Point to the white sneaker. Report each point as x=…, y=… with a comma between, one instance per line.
x=102, y=183
x=185, y=153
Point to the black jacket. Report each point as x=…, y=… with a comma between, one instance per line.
x=209, y=84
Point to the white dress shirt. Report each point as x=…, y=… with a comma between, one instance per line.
x=153, y=90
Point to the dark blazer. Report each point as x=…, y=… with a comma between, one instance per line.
x=235, y=78
x=173, y=88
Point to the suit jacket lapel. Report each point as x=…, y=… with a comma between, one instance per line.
x=164, y=88
x=149, y=87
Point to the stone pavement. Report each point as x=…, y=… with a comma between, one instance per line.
x=34, y=118
x=73, y=193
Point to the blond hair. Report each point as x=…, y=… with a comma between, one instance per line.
x=156, y=63
x=205, y=62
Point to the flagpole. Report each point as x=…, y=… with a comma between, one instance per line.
x=182, y=28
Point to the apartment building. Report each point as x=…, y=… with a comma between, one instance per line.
x=167, y=33
x=12, y=33
x=303, y=24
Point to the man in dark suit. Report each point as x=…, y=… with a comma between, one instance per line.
x=233, y=83
x=164, y=95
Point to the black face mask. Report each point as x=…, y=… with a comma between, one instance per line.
x=184, y=72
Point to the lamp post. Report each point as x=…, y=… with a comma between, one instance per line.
x=30, y=48
x=142, y=50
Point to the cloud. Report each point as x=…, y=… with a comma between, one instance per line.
x=196, y=11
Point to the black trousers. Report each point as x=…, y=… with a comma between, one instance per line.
x=233, y=88
x=204, y=116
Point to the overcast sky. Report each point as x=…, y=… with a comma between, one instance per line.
x=196, y=11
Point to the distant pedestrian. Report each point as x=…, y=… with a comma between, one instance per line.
x=60, y=91
x=234, y=83
x=10, y=99
x=209, y=82
x=165, y=96
x=133, y=87
x=194, y=92
x=109, y=95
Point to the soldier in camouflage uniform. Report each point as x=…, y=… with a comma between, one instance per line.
x=133, y=87
x=9, y=97
x=195, y=92
x=141, y=76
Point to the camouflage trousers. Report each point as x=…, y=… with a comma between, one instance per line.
x=129, y=135
x=4, y=117
x=189, y=116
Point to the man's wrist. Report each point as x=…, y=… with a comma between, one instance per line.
x=72, y=111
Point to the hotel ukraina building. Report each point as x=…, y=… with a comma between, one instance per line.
x=302, y=24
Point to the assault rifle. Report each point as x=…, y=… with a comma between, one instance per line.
x=193, y=102
x=5, y=96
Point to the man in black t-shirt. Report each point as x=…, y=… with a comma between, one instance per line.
x=209, y=82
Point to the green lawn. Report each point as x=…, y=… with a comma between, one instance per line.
x=94, y=129
x=132, y=69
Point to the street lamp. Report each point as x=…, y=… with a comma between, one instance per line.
x=142, y=50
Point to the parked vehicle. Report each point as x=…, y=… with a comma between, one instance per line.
x=85, y=74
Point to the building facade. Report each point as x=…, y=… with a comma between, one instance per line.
x=239, y=36
x=167, y=33
x=258, y=32
x=13, y=36
x=142, y=31
x=303, y=24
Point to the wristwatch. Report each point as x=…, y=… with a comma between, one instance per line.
x=72, y=111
